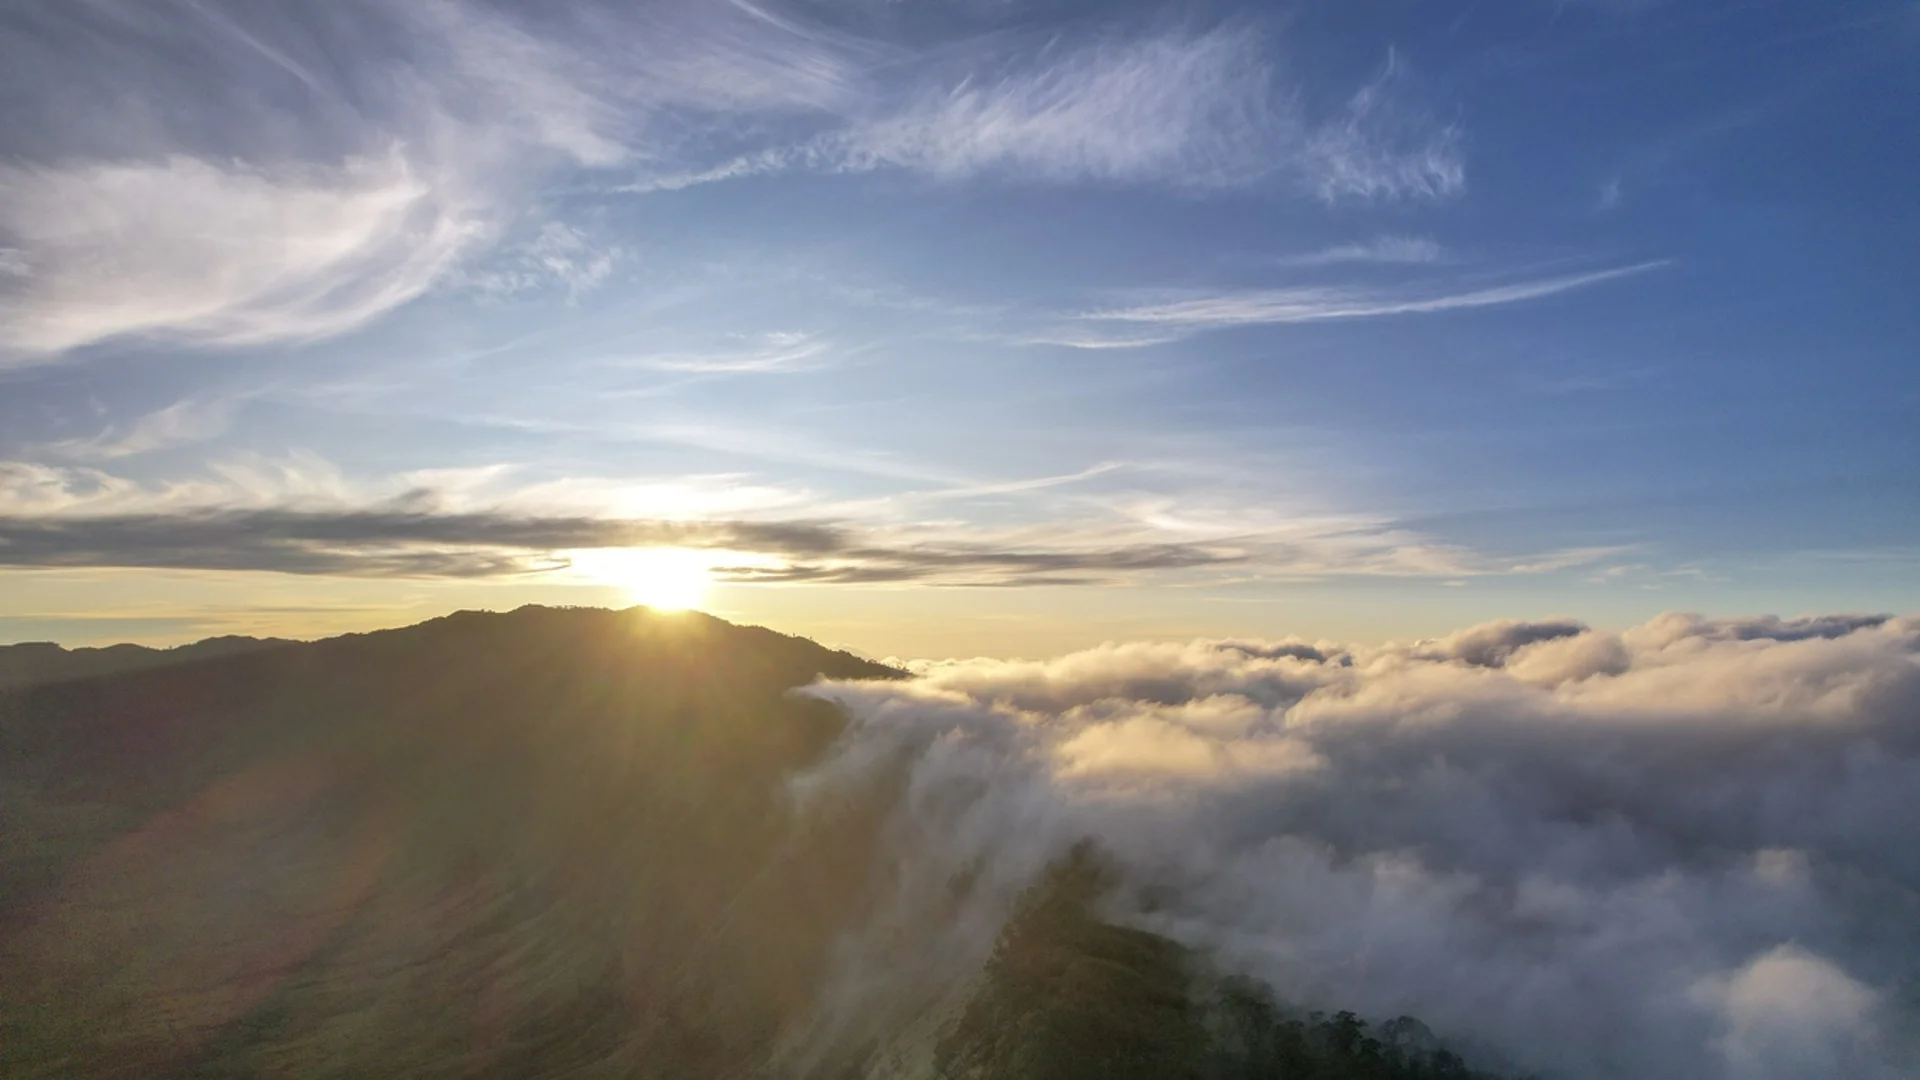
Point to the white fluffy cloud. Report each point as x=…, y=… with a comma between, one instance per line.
x=1682, y=850
x=1791, y=1013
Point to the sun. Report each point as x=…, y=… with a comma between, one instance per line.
x=665, y=579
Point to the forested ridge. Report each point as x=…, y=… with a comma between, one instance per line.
x=1071, y=997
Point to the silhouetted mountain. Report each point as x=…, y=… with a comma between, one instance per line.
x=540, y=844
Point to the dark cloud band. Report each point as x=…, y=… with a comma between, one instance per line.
x=400, y=542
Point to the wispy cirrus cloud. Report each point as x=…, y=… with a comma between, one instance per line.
x=182, y=423
x=221, y=254
x=161, y=200
x=1190, y=314
x=558, y=255
x=1378, y=146
x=256, y=178
x=778, y=351
x=1180, y=107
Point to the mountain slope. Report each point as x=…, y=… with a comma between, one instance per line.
x=552, y=836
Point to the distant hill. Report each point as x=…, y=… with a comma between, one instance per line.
x=43, y=661
x=550, y=843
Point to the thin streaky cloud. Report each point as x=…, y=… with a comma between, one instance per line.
x=1095, y=338
x=774, y=160
x=227, y=25
x=180, y=424
x=774, y=353
x=983, y=489
x=1386, y=250
x=1314, y=303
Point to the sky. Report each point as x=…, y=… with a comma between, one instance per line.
x=956, y=327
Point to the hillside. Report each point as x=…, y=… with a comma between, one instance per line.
x=540, y=844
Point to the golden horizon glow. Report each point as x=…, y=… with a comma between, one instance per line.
x=664, y=579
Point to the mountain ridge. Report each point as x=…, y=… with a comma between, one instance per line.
x=27, y=663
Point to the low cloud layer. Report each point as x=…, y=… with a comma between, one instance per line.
x=1685, y=849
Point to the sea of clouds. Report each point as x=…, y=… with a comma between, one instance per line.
x=1689, y=849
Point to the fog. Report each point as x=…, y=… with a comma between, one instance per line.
x=1686, y=849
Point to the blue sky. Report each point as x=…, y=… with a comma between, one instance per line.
x=957, y=326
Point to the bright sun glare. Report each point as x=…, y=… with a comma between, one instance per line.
x=665, y=579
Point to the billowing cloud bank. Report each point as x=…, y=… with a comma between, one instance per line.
x=1691, y=849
